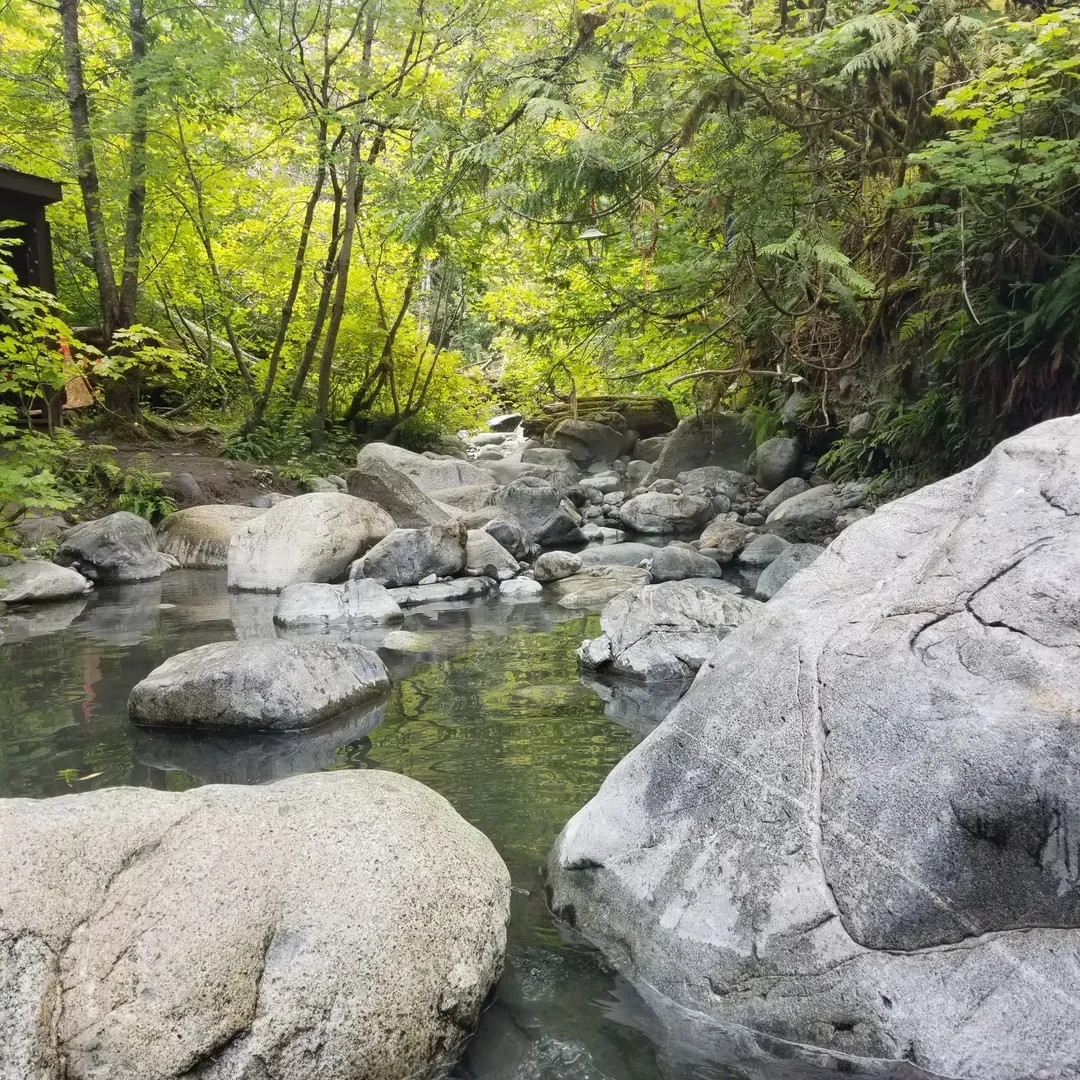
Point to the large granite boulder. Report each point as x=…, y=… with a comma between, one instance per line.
x=776, y=460
x=200, y=536
x=35, y=581
x=629, y=553
x=588, y=441
x=503, y=526
x=593, y=586
x=117, y=548
x=407, y=556
x=257, y=685
x=710, y=438
x=341, y=924
x=659, y=513
x=442, y=592
x=556, y=565
x=676, y=563
x=392, y=489
x=359, y=602
x=486, y=557
x=663, y=632
x=786, y=565
x=856, y=830
x=427, y=473
x=555, y=464
x=796, y=485
x=808, y=516
x=542, y=510
x=310, y=538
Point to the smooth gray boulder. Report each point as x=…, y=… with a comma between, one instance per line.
x=407, y=556
x=32, y=531
x=761, y=551
x=117, y=548
x=392, y=489
x=658, y=513
x=628, y=553
x=725, y=537
x=466, y=588
x=257, y=685
x=359, y=602
x=520, y=588
x=806, y=516
x=556, y=565
x=649, y=450
x=710, y=438
x=309, y=538
x=429, y=474
x=587, y=440
x=851, y=831
x=503, y=526
x=791, y=487
x=199, y=537
x=593, y=586
x=557, y=465
x=776, y=460
x=786, y=565
x=467, y=498
x=485, y=556
x=35, y=581
x=663, y=632
x=341, y=924
x=542, y=510
x=716, y=481
x=505, y=422
x=675, y=563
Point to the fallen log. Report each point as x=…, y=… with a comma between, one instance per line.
x=648, y=416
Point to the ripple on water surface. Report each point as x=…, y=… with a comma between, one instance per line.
x=486, y=707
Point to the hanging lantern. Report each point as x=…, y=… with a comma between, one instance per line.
x=594, y=242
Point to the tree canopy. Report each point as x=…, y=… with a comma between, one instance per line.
x=389, y=213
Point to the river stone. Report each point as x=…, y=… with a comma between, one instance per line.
x=588, y=441
x=593, y=586
x=649, y=450
x=776, y=460
x=624, y=554
x=359, y=601
x=762, y=550
x=380, y=483
x=558, y=464
x=791, y=487
x=710, y=438
x=407, y=556
x=505, y=423
x=503, y=526
x=674, y=563
x=726, y=538
x=542, y=510
x=309, y=538
x=715, y=480
x=35, y=581
x=467, y=498
x=484, y=554
x=663, y=632
x=341, y=924
x=467, y=588
x=521, y=588
x=257, y=685
x=117, y=548
x=429, y=474
x=200, y=536
x=787, y=564
x=850, y=833
x=659, y=513
x=556, y=565
x=805, y=516
x=32, y=531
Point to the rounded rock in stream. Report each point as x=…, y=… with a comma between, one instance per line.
x=343, y=924
x=258, y=685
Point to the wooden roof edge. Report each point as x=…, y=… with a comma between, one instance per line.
x=26, y=184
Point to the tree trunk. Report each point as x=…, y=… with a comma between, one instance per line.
x=136, y=201
x=341, y=285
x=89, y=185
x=294, y=285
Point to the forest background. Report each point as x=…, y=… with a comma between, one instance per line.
x=307, y=220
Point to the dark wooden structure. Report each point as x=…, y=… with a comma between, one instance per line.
x=23, y=199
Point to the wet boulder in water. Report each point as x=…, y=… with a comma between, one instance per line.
x=35, y=581
x=358, y=602
x=593, y=586
x=484, y=555
x=556, y=565
x=309, y=538
x=675, y=563
x=466, y=588
x=661, y=513
x=725, y=538
x=349, y=918
x=407, y=556
x=664, y=632
x=117, y=548
x=542, y=510
x=200, y=536
x=786, y=565
x=808, y=516
x=258, y=685
x=851, y=831
x=762, y=550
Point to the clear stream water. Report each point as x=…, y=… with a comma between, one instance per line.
x=489, y=710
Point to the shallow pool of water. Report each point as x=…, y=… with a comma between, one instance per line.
x=487, y=708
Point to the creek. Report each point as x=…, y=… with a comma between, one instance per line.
x=487, y=707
